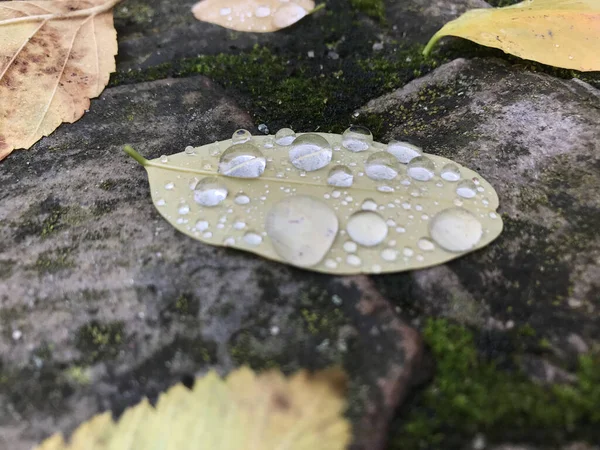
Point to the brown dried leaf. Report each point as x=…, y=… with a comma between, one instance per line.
x=54, y=57
x=258, y=16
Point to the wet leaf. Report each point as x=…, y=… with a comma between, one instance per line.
x=54, y=57
x=327, y=202
x=259, y=16
x=245, y=412
x=561, y=33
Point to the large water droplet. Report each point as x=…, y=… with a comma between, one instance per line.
x=455, y=229
x=357, y=138
x=302, y=229
x=381, y=166
x=421, y=168
x=210, y=191
x=285, y=136
x=288, y=14
x=310, y=152
x=252, y=238
x=262, y=11
x=466, y=189
x=241, y=136
x=367, y=228
x=340, y=176
x=242, y=161
x=403, y=151
x=450, y=172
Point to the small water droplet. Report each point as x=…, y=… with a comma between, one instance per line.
x=210, y=192
x=310, y=152
x=426, y=244
x=263, y=128
x=207, y=235
x=242, y=199
x=169, y=186
x=330, y=264
x=353, y=260
x=164, y=159
x=229, y=241
x=350, y=246
x=407, y=251
x=403, y=151
x=288, y=14
x=381, y=166
x=340, y=176
x=466, y=189
x=252, y=238
x=385, y=189
x=389, y=254
x=189, y=150
x=225, y=11
x=493, y=215
x=285, y=136
x=357, y=138
x=242, y=161
x=421, y=168
x=302, y=229
x=202, y=225
x=183, y=209
x=450, y=172
x=262, y=11
x=455, y=229
x=369, y=205
x=367, y=228
x=240, y=136
x=161, y=202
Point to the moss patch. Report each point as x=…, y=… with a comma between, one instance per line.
x=99, y=341
x=372, y=8
x=54, y=261
x=469, y=395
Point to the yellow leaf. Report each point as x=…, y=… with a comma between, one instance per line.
x=331, y=203
x=54, y=57
x=561, y=33
x=259, y=16
x=245, y=412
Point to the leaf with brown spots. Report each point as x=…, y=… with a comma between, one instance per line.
x=245, y=412
x=54, y=57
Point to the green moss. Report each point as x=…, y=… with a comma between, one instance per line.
x=54, y=261
x=108, y=185
x=468, y=395
x=134, y=12
x=309, y=97
x=372, y=8
x=99, y=341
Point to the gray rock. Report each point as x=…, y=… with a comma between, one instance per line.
x=112, y=304
x=537, y=140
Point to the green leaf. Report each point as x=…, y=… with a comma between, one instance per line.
x=326, y=202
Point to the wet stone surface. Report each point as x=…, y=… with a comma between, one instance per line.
x=102, y=302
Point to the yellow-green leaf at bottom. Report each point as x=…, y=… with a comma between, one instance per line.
x=245, y=412
x=315, y=204
x=561, y=33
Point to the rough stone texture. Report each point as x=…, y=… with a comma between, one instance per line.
x=111, y=304
x=102, y=302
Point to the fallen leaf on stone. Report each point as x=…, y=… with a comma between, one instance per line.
x=327, y=202
x=247, y=411
x=54, y=57
x=259, y=16
x=561, y=33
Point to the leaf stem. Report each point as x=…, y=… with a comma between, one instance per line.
x=319, y=7
x=107, y=6
x=135, y=155
x=427, y=50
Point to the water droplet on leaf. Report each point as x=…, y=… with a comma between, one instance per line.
x=381, y=166
x=455, y=230
x=403, y=151
x=466, y=189
x=367, y=228
x=310, y=152
x=262, y=11
x=302, y=229
x=288, y=14
x=357, y=138
x=426, y=245
x=252, y=238
x=340, y=176
x=241, y=136
x=242, y=161
x=210, y=192
x=450, y=172
x=285, y=136
x=421, y=168
x=242, y=199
